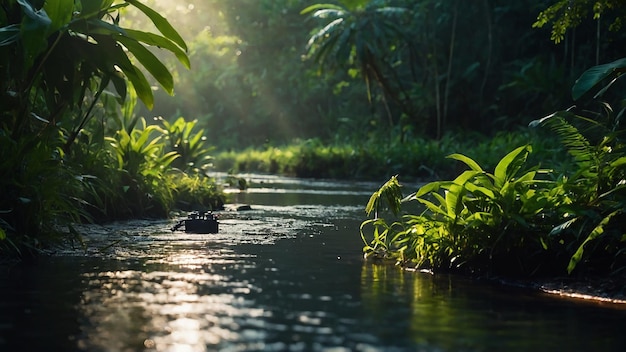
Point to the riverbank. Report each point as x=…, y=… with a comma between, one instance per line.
x=378, y=159
x=609, y=290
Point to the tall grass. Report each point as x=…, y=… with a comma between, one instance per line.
x=419, y=158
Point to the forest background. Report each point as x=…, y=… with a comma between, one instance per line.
x=350, y=89
x=438, y=78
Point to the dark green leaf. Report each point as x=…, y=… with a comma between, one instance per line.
x=34, y=27
x=9, y=34
x=149, y=62
x=59, y=12
x=93, y=7
x=161, y=24
x=161, y=42
x=112, y=54
x=595, y=233
x=591, y=81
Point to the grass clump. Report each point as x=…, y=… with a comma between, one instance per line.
x=418, y=158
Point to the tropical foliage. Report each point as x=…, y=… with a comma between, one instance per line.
x=514, y=220
x=363, y=39
x=449, y=66
x=58, y=60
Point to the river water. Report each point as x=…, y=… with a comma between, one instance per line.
x=287, y=275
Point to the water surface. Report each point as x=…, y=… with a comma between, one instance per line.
x=286, y=276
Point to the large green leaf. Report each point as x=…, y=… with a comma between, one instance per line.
x=94, y=26
x=466, y=176
x=150, y=62
x=510, y=164
x=114, y=54
x=454, y=199
x=431, y=187
x=59, y=12
x=595, y=79
x=467, y=161
x=34, y=27
x=93, y=7
x=479, y=189
x=161, y=42
x=161, y=23
x=432, y=207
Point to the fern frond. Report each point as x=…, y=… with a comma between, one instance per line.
x=577, y=145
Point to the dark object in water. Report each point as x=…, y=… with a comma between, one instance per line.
x=197, y=222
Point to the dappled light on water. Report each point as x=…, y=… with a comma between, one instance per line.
x=166, y=310
x=287, y=275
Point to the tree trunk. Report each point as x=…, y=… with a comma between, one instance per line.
x=489, y=53
x=446, y=94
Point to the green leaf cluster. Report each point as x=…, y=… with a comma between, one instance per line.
x=190, y=145
x=478, y=221
x=516, y=221
x=566, y=15
x=62, y=62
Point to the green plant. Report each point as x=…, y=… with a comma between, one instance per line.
x=190, y=145
x=62, y=54
x=592, y=222
x=39, y=193
x=196, y=192
x=513, y=221
x=143, y=161
x=362, y=37
x=57, y=59
x=479, y=221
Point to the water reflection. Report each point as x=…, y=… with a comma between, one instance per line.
x=165, y=310
x=282, y=277
x=451, y=314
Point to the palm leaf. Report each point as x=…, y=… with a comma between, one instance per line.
x=161, y=23
x=325, y=32
x=321, y=7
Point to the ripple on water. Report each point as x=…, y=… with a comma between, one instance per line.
x=174, y=309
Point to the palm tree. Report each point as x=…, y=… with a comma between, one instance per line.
x=365, y=37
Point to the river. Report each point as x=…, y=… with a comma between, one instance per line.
x=287, y=275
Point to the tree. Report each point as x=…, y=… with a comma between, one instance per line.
x=365, y=38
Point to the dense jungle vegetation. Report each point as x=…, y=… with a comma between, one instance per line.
x=116, y=109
